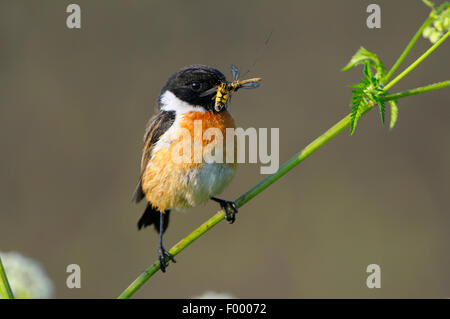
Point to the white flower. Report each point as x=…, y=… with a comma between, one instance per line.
x=26, y=277
x=215, y=295
x=440, y=26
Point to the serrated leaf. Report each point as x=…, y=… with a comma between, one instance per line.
x=365, y=82
x=357, y=58
x=354, y=120
x=357, y=103
x=367, y=71
x=379, y=101
x=382, y=110
x=362, y=56
x=355, y=115
x=394, y=113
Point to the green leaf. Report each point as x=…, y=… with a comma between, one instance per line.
x=394, y=113
x=370, y=90
x=355, y=118
x=382, y=110
x=365, y=82
x=356, y=86
x=379, y=100
x=429, y=3
x=357, y=103
x=365, y=56
x=367, y=70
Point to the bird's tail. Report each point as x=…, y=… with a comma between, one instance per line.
x=151, y=216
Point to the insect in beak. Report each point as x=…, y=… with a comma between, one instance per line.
x=226, y=89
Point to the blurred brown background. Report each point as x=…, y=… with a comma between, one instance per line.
x=74, y=104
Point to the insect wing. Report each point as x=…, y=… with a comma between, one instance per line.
x=250, y=85
x=235, y=72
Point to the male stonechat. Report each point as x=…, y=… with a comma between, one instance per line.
x=193, y=93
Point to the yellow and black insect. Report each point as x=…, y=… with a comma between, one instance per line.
x=226, y=89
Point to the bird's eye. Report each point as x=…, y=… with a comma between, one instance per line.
x=195, y=86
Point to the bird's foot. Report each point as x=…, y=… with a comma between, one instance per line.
x=229, y=207
x=162, y=254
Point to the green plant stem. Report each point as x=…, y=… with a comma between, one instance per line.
x=408, y=48
x=266, y=182
x=417, y=62
x=295, y=160
x=5, y=289
x=423, y=89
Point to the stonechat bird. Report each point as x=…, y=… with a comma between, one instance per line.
x=193, y=93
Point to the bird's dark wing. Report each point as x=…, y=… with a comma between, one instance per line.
x=151, y=216
x=156, y=127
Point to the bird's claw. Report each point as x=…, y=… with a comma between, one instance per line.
x=162, y=254
x=229, y=208
x=230, y=211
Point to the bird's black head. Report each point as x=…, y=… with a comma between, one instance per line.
x=194, y=85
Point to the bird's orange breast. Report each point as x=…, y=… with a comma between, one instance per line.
x=221, y=121
x=169, y=184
